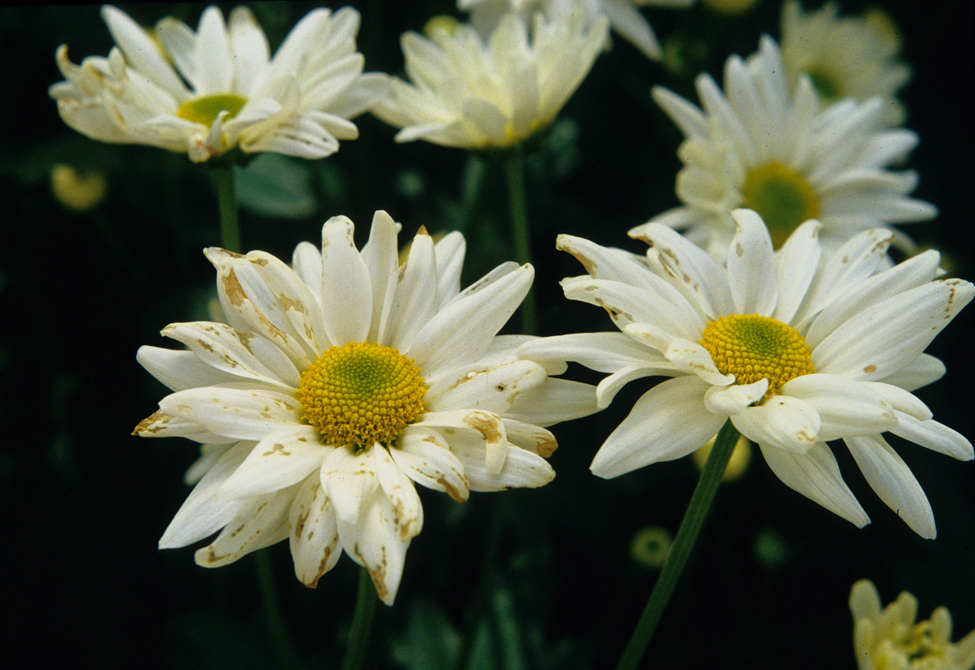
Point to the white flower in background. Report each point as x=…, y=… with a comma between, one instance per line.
x=763, y=146
x=796, y=347
x=889, y=638
x=475, y=95
x=623, y=15
x=848, y=57
x=207, y=92
x=336, y=385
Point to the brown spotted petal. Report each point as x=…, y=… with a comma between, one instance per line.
x=313, y=532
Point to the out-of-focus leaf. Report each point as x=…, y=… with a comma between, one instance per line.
x=275, y=186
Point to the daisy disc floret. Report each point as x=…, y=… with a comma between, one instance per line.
x=624, y=16
x=337, y=383
x=891, y=638
x=477, y=93
x=796, y=347
x=848, y=57
x=766, y=145
x=216, y=89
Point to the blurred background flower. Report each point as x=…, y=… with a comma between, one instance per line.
x=81, y=291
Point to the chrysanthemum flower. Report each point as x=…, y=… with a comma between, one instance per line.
x=849, y=57
x=623, y=15
x=475, y=95
x=795, y=352
x=207, y=92
x=767, y=147
x=336, y=385
x=889, y=638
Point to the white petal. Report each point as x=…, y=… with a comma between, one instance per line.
x=886, y=336
x=686, y=355
x=484, y=429
x=466, y=326
x=313, y=532
x=400, y=493
x=667, y=422
x=160, y=424
x=522, y=468
x=243, y=355
x=414, y=301
x=607, y=389
x=380, y=255
x=795, y=266
x=238, y=413
x=259, y=522
x=423, y=455
x=935, y=436
x=816, y=475
x=450, y=261
x=751, y=266
x=180, y=370
x=733, y=399
x=493, y=389
x=346, y=285
x=846, y=407
x=602, y=352
x=282, y=459
x=554, y=401
x=782, y=422
x=889, y=476
x=205, y=512
x=923, y=370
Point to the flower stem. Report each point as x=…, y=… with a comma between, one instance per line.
x=472, y=183
x=223, y=175
x=365, y=610
x=280, y=640
x=514, y=167
x=697, y=511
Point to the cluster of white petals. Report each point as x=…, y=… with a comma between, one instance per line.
x=474, y=93
x=838, y=155
x=270, y=475
x=623, y=15
x=849, y=57
x=209, y=91
x=891, y=638
x=865, y=326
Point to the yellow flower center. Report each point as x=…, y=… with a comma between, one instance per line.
x=205, y=110
x=782, y=197
x=753, y=347
x=361, y=393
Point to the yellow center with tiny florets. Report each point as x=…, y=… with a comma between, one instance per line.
x=361, y=393
x=782, y=197
x=753, y=347
x=205, y=110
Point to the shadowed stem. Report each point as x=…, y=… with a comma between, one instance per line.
x=277, y=629
x=697, y=511
x=365, y=611
x=223, y=176
x=514, y=168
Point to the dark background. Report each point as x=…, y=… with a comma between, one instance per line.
x=86, y=503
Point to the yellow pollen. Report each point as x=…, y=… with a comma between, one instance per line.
x=361, y=393
x=753, y=347
x=782, y=197
x=205, y=110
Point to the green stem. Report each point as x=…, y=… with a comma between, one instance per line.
x=514, y=167
x=365, y=611
x=223, y=175
x=486, y=581
x=472, y=183
x=280, y=640
x=694, y=517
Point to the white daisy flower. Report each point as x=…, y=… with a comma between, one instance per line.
x=623, y=15
x=889, y=638
x=763, y=146
x=796, y=352
x=336, y=385
x=849, y=57
x=207, y=92
x=475, y=95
